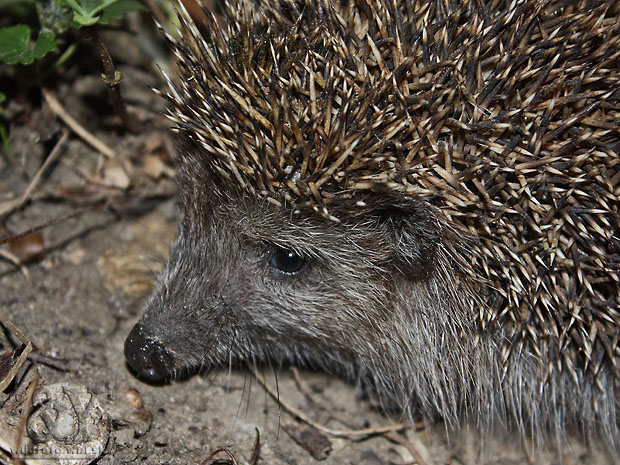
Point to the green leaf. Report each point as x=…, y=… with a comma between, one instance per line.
x=2, y=97
x=46, y=42
x=85, y=20
x=87, y=12
x=16, y=46
x=119, y=9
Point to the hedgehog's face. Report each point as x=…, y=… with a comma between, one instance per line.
x=248, y=281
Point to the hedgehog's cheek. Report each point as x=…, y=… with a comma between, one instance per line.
x=147, y=356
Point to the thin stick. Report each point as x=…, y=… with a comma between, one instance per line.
x=77, y=127
x=4, y=382
x=51, y=223
x=23, y=418
x=14, y=329
x=12, y=205
x=50, y=159
x=332, y=432
x=392, y=436
x=300, y=384
x=17, y=262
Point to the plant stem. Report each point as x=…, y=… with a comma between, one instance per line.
x=111, y=77
x=65, y=56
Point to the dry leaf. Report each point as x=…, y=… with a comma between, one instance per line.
x=156, y=168
x=115, y=176
x=27, y=248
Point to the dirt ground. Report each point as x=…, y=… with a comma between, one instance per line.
x=79, y=299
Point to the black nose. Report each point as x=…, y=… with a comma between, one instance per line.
x=146, y=356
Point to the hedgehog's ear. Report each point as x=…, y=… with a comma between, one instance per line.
x=195, y=177
x=413, y=237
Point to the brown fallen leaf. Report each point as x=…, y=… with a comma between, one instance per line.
x=28, y=248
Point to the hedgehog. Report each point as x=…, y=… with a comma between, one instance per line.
x=422, y=197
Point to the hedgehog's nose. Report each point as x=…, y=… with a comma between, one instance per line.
x=148, y=358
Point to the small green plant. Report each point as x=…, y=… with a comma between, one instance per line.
x=91, y=12
x=55, y=17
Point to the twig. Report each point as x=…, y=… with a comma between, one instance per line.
x=50, y=159
x=14, y=329
x=40, y=227
x=14, y=204
x=410, y=447
x=24, y=417
x=16, y=261
x=332, y=432
x=4, y=382
x=300, y=384
x=111, y=77
x=77, y=127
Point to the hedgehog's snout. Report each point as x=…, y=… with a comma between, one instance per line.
x=147, y=356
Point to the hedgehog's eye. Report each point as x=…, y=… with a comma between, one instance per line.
x=286, y=260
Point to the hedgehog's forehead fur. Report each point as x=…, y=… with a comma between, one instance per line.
x=502, y=115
